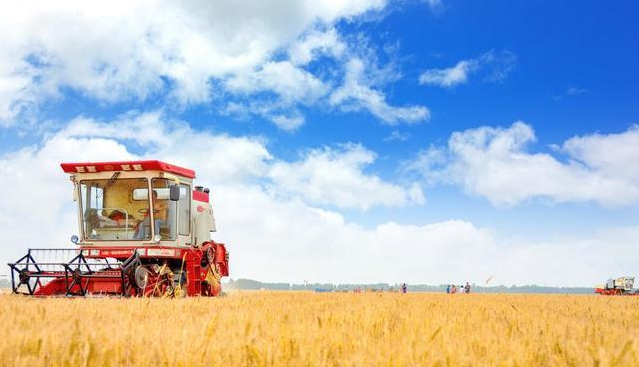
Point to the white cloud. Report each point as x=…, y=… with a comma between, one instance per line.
x=335, y=177
x=291, y=83
x=449, y=77
x=612, y=155
x=494, y=163
x=288, y=123
x=361, y=89
x=144, y=129
x=316, y=43
x=497, y=65
x=234, y=159
x=304, y=243
x=299, y=241
x=132, y=50
x=397, y=136
x=186, y=53
x=332, y=177
x=357, y=94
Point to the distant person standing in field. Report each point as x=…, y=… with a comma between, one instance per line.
x=404, y=288
x=453, y=289
x=467, y=288
x=448, y=288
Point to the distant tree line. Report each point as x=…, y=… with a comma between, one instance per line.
x=249, y=284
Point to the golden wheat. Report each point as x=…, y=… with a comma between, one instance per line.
x=308, y=329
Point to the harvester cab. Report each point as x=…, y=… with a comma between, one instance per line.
x=144, y=230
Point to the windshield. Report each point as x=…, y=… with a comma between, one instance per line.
x=110, y=211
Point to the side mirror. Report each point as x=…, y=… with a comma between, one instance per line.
x=174, y=193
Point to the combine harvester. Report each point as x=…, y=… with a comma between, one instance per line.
x=618, y=287
x=143, y=232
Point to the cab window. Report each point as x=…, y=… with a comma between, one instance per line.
x=109, y=211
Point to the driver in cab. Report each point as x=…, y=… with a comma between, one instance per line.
x=160, y=213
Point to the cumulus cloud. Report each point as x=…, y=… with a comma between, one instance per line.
x=275, y=237
x=317, y=43
x=291, y=83
x=356, y=93
x=495, y=163
x=235, y=159
x=184, y=52
x=497, y=66
x=332, y=177
x=611, y=155
x=288, y=123
x=335, y=177
x=361, y=88
x=305, y=243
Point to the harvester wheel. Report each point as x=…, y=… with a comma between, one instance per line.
x=24, y=276
x=141, y=276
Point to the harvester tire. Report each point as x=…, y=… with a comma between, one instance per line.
x=141, y=276
x=24, y=276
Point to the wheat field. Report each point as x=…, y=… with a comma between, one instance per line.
x=326, y=329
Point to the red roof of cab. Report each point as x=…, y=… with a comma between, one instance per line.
x=126, y=166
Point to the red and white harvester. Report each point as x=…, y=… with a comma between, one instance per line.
x=622, y=286
x=145, y=230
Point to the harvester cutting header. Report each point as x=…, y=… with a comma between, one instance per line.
x=144, y=230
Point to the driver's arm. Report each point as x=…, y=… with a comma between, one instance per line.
x=161, y=210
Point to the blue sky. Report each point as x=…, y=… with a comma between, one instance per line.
x=503, y=130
